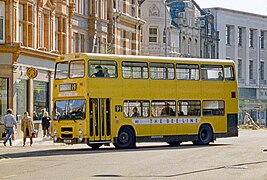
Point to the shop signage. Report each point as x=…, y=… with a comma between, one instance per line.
x=32, y=72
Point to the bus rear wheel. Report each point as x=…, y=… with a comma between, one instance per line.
x=126, y=138
x=204, y=135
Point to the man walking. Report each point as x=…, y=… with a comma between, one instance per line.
x=9, y=122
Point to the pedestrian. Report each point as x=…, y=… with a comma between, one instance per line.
x=27, y=128
x=46, y=124
x=9, y=122
x=41, y=114
x=34, y=116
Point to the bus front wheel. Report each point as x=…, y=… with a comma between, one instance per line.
x=204, y=135
x=126, y=138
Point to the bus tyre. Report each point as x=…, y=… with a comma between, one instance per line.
x=204, y=135
x=126, y=138
x=95, y=146
x=175, y=143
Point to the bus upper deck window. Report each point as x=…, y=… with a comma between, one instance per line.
x=102, y=69
x=62, y=70
x=229, y=73
x=77, y=69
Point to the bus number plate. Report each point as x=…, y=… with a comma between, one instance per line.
x=67, y=141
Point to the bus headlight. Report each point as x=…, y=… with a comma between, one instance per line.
x=80, y=139
x=55, y=138
x=55, y=132
x=80, y=131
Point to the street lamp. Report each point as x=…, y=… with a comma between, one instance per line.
x=165, y=28
x=259, y=96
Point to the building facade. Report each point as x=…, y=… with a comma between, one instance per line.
x=159, y=36
x=171, y=29
x=243, y=39
x=34, y=33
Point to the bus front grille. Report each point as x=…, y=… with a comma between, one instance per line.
x=67, y=136
x=69, y=129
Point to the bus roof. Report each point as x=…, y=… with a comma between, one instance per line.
x=133, y=57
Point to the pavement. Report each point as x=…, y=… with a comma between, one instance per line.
x=19, y=142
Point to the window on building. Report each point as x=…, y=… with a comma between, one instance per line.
x=4, y=90
x=187, y=72
x=103, y=7
x=161, y=71
x=133, y=8
x=251, y=33
x=251, y=70
x=61, y=35
x=56, y=33
x=21, y=97
x=209, y=29
x=240, y=36
x=132, y=108
x=213, y=108
x=262, y=40
x=2, y=22
x=40, y=96
x=21, y=25
x=135, y=70
x=189, y=108
x=189, y=46
x=96, y=8
x=239, y=68
x=262, y=70
x=153, y=35
x=79, y=6
x=227, y=34
x=163, y=108
x=78, y=42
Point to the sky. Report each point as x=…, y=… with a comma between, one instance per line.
x=252, y=6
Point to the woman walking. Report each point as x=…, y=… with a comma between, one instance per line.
x=27, y=128
x=46, y=123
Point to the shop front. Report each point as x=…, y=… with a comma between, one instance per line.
x=22, y=91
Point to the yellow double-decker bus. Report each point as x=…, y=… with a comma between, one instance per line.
x=119, y=99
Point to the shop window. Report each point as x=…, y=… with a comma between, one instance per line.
x=40, y=96
x=21, y=97
x=3, y=98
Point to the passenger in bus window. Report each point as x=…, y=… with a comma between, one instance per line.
x=135, y=112
x=106, y=74
x=220, y=77
x=99, y=72
x=167, y=110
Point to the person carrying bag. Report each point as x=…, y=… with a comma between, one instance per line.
x=27, y=128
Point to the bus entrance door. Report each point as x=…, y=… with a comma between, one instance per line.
x=99, y=125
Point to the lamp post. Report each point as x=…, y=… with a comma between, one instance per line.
x=165, y=28
x=259, y=96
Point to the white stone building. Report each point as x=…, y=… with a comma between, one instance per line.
x=243, y=38
x=157, y=17
x=179, y=18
